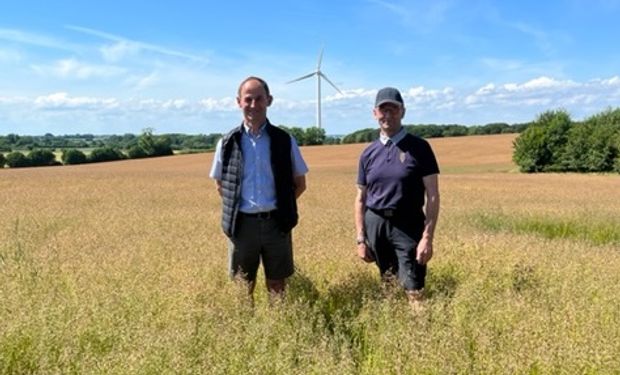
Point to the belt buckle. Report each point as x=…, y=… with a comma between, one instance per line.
x=388, y=213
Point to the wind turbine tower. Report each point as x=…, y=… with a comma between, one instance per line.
x=318, y=75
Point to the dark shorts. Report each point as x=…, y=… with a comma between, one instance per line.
x=256, y=240
x=393, y=242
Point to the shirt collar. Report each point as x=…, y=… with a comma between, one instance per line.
x=261, y=130
x=395, y=138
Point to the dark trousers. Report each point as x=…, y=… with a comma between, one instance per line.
x=260, y=239
x=393, y=241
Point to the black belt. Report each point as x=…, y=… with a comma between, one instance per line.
x=390, y=212
x=258, y=215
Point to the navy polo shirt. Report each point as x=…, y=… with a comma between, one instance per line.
x=392, y=174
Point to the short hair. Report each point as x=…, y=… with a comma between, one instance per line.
x=253, y=78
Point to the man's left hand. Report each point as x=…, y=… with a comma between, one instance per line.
x=424, y=251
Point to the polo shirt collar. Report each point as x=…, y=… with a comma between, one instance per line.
x=395, y=138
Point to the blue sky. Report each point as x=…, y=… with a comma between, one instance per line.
x=113, y=67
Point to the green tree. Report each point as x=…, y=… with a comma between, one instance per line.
x=557, y=125
x=42, y=158
x=5, y=146
x=616, y=143
x=73, y=156
x=12, y=139
x=332, y=140
x=297, y=133
x=154, y=146
x=454, y=130
x=541, y=147
x=361, y=136
x=162, y=146
x=314, y=136
x=577, y=148
x=136, y=152
x=146, y=141
x=425, y=131
x=494, y=128
x=16, y=159
x=604, y=140
x=105, y=154
x=592, y=145
x=2, y=160
x=530, y=151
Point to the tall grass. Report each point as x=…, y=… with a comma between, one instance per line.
x=583, y=229
x=121, y=269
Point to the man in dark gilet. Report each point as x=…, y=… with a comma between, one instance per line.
x=259, y=173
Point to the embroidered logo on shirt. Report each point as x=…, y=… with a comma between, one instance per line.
x=402, y=156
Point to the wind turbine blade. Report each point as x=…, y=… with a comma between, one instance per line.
x=318, y=65
x=330, y=82
x=304, y=77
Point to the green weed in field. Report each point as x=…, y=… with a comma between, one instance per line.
x=585, y=229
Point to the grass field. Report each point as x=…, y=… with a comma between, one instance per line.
x=120, y=268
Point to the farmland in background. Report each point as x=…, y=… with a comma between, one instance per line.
x=120, y=267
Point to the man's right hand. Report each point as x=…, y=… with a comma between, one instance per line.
x=218, y=186
x=364, y=253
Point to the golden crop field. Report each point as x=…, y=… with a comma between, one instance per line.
x=120, y=268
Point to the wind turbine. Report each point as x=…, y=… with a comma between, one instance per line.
x=318, y=75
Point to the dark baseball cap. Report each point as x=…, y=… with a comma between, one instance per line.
x=389, y=95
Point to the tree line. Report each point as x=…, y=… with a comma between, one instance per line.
x=118, y=147
x=52, y=142
x=436, y=131
x=145, y=145
x=555, y=143
x=129, y=146
x=206, y=142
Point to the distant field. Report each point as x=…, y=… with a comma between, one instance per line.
x=455, y=154
x=121, y=268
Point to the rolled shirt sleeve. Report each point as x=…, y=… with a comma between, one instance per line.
x=299, y=165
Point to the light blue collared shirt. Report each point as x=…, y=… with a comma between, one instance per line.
x=258, y=189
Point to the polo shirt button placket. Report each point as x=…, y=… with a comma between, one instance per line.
x=389, y=147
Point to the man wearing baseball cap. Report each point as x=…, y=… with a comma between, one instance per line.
x=397, y=202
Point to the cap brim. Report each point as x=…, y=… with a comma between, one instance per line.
x=389, y=101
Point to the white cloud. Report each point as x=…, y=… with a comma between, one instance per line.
x=420, y=95
x=613, y=81
x=544, y=83
x=117, y=51
x=175, y=104
x=71, y=68
x=62, y=100
x=224, y=104
x=350, y=110
x=23, y=37
x=125, y=45
x=546, y=91
x=140, y=83
x=351, y=94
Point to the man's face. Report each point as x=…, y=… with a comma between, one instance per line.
x=389, y=116
x=253, y=101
